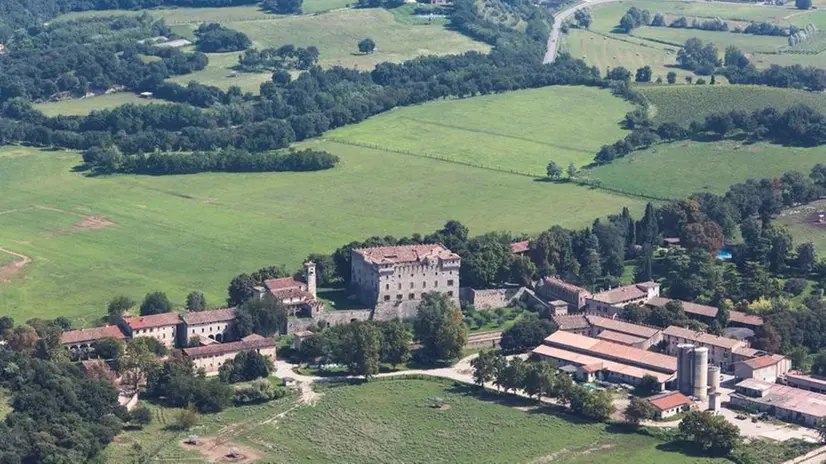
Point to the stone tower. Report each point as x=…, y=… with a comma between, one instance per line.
x=309, y=276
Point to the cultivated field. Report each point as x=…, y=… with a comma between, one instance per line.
x=683, y=104
x=84, y=106
x=181, y=233
x=520, y=131
x=657, y=47
x=389, y=421
x=679, y=169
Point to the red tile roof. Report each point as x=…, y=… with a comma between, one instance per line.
x=572, y=322
x=154, y=320
x=668, y=401
x=626, y=293
x=89, y=335
x=282, y=283
x=591, y=368
x=565, y=285
x=520, y=247
x=621, y=326
x=209, y=317
x=580, y=359
x=614, y=351
x=248, y=343
x=710, y=311
x=764, y=361
x=745, y=319
x=405, y=254
x=703, y=338
x=617, y=337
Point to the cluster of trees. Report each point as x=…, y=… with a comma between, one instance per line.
x=177, y=383
x=246, y=366
x=285, y=57
x=583, y=18
x=701, y=58
x=634, y=18
x=58, y=415
x=715, y=24
x=766, y=28
x=526, y=334
x=538, y=379
x=283, y=6
x=215, y=38
x=739, y=70
x=362, y=345
x=76, y=57
x=110, y=160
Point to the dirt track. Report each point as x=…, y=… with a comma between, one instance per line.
x=9, y=270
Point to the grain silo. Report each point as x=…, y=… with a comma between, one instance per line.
x=713, y=378
x=685, y=371
x=700, y=376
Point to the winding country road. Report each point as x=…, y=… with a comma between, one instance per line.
x=559, y=19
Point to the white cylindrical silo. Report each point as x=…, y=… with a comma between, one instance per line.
x=713, y=378
x=700, y=373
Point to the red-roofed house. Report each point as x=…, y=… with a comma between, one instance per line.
x=767, y=368
x=80, y=342
x=611, y=302
x=670, y=404
x=520, y=248
x=161, y=327
x=294, y=294
x=210, y=325
x=212, y=357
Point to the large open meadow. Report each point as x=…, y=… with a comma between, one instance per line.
x=393, y=421
x=84, y=106
x=93, y=238
x=520, y=131
x=685, y=103
x=678, y=169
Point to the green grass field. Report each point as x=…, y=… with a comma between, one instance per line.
x=182, y=233
x=748, y=43
x=392, y=421
x=679, y=169
x=685, y=103
x=84, y=106
x=798, y=221
x=518, y=131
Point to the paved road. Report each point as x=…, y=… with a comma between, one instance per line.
x=559, y=19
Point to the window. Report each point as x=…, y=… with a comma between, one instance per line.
x=450, y=283
x=387, y=286
x=411, y=284
x=450, y=293
x=412, y=296
x=386, y=297
x=424, y=284
x=400, y=286
x=435, y=283
x=399, y=296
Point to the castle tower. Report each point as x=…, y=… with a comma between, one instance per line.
x=309, y=276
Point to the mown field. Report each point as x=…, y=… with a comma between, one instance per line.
x=520, y=131
x=683, y=104
x=84, y=106
x=392, y=421
x=679, y=169
x=181, y=233
x=800, y=219
x=657, y=47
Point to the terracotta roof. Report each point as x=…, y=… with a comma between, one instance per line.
x=405, y=254
x=282, y=283
x=617, y=337
x=571, y=322
x=561, y=283
x=764, y=361
x=670, y=400
x=520, y=247
x=580, y=359
x=292, y=293
x=626, y=293
x=748, y=352
x=155, y=320
x=622, y=326
x=745, y=319
x=702, y=337
x=88, y=335
x=223, y=348
x=303, y=333
x=209, y=317
x=613, y=351
x=591, y=368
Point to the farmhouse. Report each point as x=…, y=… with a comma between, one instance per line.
x=670, y=404
x=80, y=342
x=396, y=274
x=768, y=367
x=708, y=314
x=551, y=288
x=520, y=248
x=215, y=325
x=611, y=302
x=614, y=330
x=211, y=357
x=721, y=350
x=783, y=402
x=604, y=360
x=161, y=327
x=294, y=294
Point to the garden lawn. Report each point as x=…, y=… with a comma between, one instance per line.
x=678, y=169
x=195, y=232
x=683, y=104
x=393, y=421
x=520, y=131
x=84, y=106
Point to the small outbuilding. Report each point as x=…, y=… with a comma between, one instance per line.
x=670, y=404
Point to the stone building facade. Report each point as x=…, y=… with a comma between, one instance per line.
x=215, y=325
x=161, y=327
x=396, y=277
x=210, y=358
x=553, y=289
x=297, y=296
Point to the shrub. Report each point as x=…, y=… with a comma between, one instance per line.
x=795, y=286
x=259, y=391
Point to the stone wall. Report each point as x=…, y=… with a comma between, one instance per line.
x=332, y=318
x=484, y=300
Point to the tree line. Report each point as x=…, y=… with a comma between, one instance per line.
x=284, y=57
x=636, y=17
x=110, y=160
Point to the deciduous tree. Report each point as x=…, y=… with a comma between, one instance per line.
x=439, y=327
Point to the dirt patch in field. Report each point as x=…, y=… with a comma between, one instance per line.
x=817, y=219
x=9, y=270
x=309, y=396
x=218, y=450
